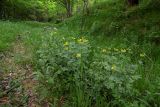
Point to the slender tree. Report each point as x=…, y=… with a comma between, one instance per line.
x=67, y=4
x=86, y=7
x=2, y=2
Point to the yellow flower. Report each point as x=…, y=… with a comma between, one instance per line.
x=123, y=50
x=115, y=49
x=78, y=55
x=113, y=67
x=142, y=55
x=79, y=40
x=82, y=40
x=66, y=44
x=104, y=50
x=73, y=38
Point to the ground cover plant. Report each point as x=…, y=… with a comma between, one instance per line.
x=70, y=70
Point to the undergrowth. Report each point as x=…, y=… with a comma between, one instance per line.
x=108, y=58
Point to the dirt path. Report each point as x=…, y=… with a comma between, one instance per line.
x=18, y=82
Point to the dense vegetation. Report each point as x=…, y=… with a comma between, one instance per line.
x=80, y=53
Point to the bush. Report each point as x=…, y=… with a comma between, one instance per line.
x=84, y=75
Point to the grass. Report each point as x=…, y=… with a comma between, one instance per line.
x=10, y=31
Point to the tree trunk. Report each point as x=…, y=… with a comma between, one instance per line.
x=69, y=11
x=1, y=8
x=86, y=7
x=68, y=8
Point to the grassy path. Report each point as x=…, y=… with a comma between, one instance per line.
x=17, y=46
x=18, y=81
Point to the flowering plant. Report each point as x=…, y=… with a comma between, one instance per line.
x=68, y=63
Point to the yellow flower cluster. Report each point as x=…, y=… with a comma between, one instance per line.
x=123, y=50
x=113, y=67
x=73, y=38
x=78, y=55
x=66, y=44
x=82, y=40
x=104, y=50
x=115, y=49
x=142, y=55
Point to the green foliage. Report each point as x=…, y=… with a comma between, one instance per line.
x=117, y=65
x=73, y=69
x=12, y=31
x=8, y=33
x=38, y=10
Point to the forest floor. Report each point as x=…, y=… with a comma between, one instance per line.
x=18, y=81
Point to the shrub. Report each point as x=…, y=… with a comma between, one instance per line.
x=84, y=75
